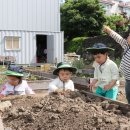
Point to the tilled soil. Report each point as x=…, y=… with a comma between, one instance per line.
x=69, y=111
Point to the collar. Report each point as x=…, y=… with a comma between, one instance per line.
x=100, y=65
x=104, y=62
x=63, y=81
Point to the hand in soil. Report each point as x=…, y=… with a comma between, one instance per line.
x=68, y=91
x=61, y=92
x=58, y=91
x=1, y=96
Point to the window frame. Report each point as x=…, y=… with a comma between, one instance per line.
x=5, y=43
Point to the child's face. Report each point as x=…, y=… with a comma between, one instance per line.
x=12, y=80
x=128, y=39
x=100, y=58
x=65, y=75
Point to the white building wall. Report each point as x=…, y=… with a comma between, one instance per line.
x=27, y=52
x=62, y=1
x=55, y=46
x=30, y=15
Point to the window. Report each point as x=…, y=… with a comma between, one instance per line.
x=12, y=43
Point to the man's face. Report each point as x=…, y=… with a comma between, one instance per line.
x=65, y=75
x=100, y=58
x=128, y=39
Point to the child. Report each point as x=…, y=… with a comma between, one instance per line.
x=62, y=82
x=125, y=63
x=15, y=84
x=106, y=72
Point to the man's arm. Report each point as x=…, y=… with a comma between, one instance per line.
x=123, y=42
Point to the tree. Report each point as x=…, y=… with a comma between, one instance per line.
x=81, y=18
x=75, y=45
x=117, y=22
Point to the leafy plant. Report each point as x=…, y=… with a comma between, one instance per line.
x=79, y=64
x=81, y=18
x=117, y=22
x=75, y=45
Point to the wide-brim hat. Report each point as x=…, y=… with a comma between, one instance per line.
x=62, y=65
x=12, y=73
x=99, y=47
x=14, y=70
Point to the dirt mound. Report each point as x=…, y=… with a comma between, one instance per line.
x=71, y=111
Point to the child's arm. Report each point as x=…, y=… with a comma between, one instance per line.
x=95, y=80
x=3, y=92
x=110, y=85
x=91, y=85
x=28, y=90
x=123, y=42
x=115, y=77
x=71, y=86
x=52, y=86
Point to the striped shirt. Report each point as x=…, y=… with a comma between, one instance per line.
x=125, y=62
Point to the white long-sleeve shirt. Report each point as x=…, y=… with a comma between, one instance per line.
x=106, y=73
x=21, y=89
x=58, y=84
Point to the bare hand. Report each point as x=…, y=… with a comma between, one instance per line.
x=1, y=96
x=107, y=87
x=58, y=91
x=68, y=91
x=107, y=29
x=91, y=87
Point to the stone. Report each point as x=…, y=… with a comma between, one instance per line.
x=5, y=105
x=99, y=120
x=110, y=120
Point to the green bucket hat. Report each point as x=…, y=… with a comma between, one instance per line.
x=62, y=65
x=14, y=71
x=99, y=47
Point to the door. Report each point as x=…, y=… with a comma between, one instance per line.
x=41, y=51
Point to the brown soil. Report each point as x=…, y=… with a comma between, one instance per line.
x=71, y=111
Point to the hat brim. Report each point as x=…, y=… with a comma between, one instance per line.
x=99, y=49
x=11, y=73
x=72, y=69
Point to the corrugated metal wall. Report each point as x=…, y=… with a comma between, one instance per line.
x=59, y=46
x=27, y=52
x=30, y=15
x=55, y=47
x=26, y=18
